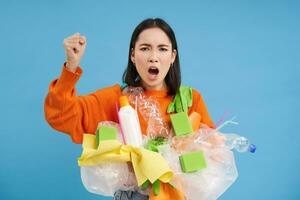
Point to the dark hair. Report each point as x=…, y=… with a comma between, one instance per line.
x=173, y=77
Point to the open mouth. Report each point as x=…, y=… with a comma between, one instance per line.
x=153, y=70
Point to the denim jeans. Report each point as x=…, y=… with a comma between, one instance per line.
x=129, y=195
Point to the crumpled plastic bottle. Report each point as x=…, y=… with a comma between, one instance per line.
x=239, y=143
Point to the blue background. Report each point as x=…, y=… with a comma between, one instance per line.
x=243, y=56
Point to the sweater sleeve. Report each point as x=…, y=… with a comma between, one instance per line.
x=200, y=107
x=75, y=115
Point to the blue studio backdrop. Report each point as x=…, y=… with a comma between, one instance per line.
x=243, y=56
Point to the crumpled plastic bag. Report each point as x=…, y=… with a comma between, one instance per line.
x=211, y=182
x=106, y=179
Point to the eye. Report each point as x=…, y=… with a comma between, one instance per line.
x=163, y=49
x=144, y=48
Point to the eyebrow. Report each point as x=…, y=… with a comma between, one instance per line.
x=149, y=45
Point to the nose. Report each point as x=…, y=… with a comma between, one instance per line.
x=153, y=57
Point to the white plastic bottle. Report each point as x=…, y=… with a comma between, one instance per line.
x=130, y=124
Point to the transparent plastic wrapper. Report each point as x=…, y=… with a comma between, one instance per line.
x=149, y=109
x=106, y=179
x=210, y=182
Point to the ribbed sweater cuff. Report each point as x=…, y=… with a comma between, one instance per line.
x=68, y=79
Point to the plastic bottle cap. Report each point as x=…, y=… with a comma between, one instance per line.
x=252, y=148
x=123, y=101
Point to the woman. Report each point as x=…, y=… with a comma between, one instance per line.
x=153, y=63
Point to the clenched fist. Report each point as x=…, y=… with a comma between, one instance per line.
x=75, y=47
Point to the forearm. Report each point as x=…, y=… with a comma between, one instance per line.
x=62, y=107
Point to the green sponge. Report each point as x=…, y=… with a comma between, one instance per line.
x=181, y=124
x=106, y=133
x=191, y=162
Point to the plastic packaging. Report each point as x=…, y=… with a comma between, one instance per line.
x=149, y=110
x=130, y=123
x=106, y=179
x=239, y=143
x=208, y=183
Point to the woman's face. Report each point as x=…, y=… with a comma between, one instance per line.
x=152, y=56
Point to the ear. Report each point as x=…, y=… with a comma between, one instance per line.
x=174, y=54
x=132, y=55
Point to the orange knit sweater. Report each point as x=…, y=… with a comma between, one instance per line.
x=76, y=115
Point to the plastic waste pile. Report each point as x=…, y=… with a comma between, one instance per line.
x=193, y=158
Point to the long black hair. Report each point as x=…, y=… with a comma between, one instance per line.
x=173, y=77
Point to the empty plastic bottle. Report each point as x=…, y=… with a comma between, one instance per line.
x=239, y=143
x=130, y=123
